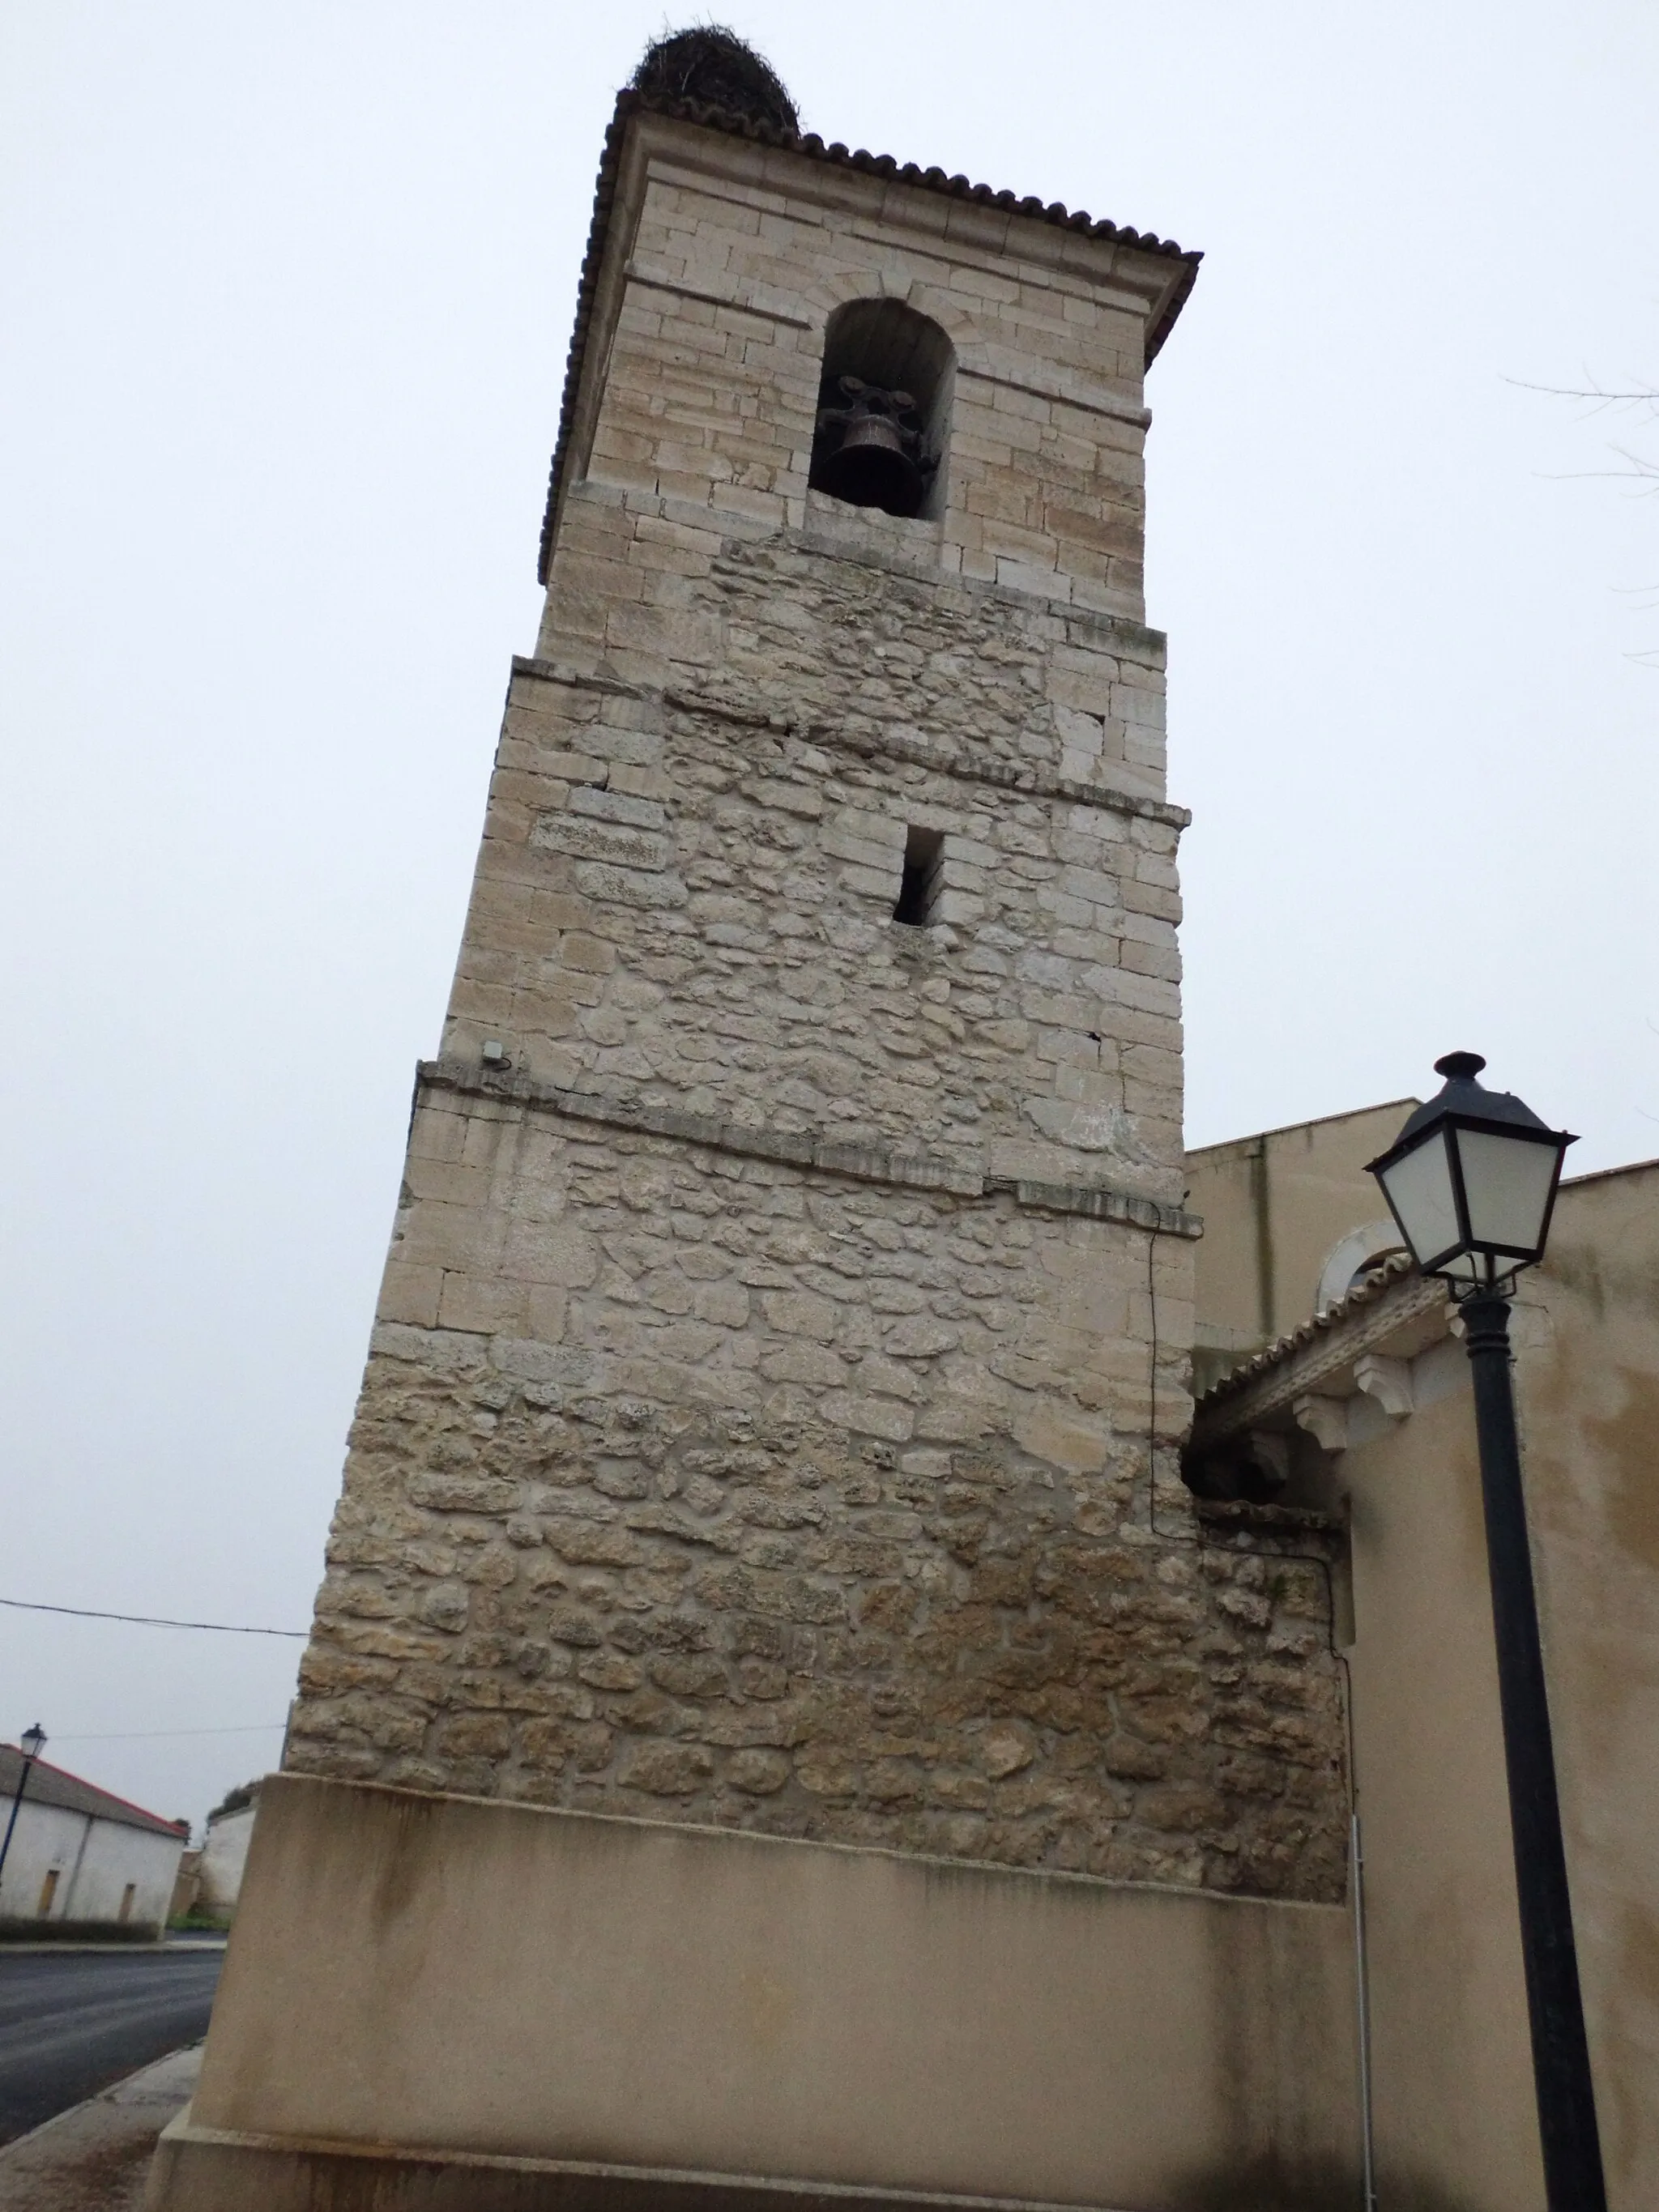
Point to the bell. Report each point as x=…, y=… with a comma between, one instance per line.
x=871, y=468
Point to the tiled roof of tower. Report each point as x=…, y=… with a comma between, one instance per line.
x=51, y=1785
x=631, y=102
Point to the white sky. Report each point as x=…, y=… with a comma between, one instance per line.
x=286, y=293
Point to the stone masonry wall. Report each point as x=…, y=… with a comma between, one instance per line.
x=776, y=1356
x=730, y=259
x=797, y=1501
x=690, y=896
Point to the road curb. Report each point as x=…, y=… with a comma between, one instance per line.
x=108, y=2095
x=109, y=1950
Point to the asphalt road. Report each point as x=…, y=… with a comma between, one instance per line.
x=70, y=2025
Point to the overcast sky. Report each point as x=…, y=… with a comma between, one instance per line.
x=285, y=294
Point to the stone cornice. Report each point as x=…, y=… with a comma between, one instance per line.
x=742, y=299
x=846, y=541
x=866, y=1163
x=1032, y=782
x=639, y=272
x=1097, y=402
x=1410, y=1313
x=1234, y=1515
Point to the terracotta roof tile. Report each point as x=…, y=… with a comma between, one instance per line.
x=51, y=1785
x=1365, y=1292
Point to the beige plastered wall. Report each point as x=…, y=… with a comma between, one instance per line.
x=629, y=1996
x=1453, y=2087
x=1274, y=1207
x=1448, y=2012
x=1589, y=1401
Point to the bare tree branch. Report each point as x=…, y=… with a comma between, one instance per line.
x=1644, y=395
x=1639, y=468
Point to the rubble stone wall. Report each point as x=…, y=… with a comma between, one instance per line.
x=803, y=1503
x=691, y=898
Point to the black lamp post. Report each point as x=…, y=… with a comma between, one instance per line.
x=1472, y=1181
x=33, y=1742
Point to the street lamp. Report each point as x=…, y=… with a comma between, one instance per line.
x=33, y=1742
x=1472, y=1180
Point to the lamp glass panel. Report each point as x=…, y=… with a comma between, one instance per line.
x=1507, y=1182
x=1420, y=1191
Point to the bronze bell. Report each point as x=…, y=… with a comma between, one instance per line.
x=872, y=466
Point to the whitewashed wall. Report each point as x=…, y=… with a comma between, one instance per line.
x=224, y=1855
x=94, y=1860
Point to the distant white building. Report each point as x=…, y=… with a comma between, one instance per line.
x=224, y=1854
x=79, y=1853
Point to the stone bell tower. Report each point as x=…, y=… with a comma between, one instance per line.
x=770, y=1421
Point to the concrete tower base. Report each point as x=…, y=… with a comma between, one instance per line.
x=433, y=2002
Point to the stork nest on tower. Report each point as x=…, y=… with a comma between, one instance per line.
x=713, y=66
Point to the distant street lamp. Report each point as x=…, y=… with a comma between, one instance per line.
x=1472, y=1181
x=33, y=1742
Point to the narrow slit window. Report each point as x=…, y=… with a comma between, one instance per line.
x=924, y=850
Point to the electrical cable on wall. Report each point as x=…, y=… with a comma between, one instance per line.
x=1316, y=1559
x=153, y=1735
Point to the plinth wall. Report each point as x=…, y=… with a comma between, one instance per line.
x=438, y=2005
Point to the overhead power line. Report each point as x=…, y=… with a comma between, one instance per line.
x=149, y=1619
x=136, y=1735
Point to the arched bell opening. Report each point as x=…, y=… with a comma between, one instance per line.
x=884, y=409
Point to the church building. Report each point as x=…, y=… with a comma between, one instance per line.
x=780, y=1728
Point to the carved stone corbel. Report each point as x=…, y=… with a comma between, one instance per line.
x=1388, y=1381
x=1325, y=1419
